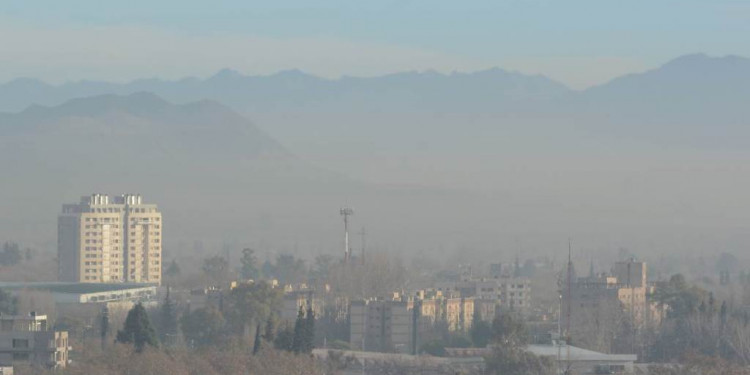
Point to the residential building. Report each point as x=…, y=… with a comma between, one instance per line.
x=512, y=293
x=300, y=299
x=103, y=240
x=459, y=313
x=617, y=303
x=381, y=325
x=28, y=340
x=625, y=290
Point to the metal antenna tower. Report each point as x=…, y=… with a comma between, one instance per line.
x=346, y=212
x=570, y=303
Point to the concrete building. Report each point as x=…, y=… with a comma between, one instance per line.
x=512, y=293
x=432, y=307
x=27, y=340
x=578, y=361
x=381, y=326
x=459, y=313
x=625, y=290
x=109, y=241
x=82, y=293
x=300, y=299
x=607, y=311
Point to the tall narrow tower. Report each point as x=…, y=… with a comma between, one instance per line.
x=346, y=212
x=569, y=285
x=568, y=313
x=362, y=235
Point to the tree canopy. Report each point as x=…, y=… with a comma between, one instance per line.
x=137, y=329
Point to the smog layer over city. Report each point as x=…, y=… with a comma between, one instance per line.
x=508, y=187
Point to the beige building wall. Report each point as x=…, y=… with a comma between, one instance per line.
x=293, y=301
x=27, y=340
x=103, y=241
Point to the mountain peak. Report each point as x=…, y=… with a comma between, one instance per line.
x=227, y=74
x=136, y=103
x=703, y=61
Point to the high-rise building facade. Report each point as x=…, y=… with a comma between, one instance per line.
x=103, y=240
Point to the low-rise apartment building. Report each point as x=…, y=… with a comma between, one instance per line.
x=27, y=340
x=512, y=293
x=381, y=325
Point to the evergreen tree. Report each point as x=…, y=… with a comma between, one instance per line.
x=509, y=355
x=217, y=269
x=11, y=254
x=173, y=270
x=509, y=330
x=299, y=332
x=203, y=327
x=284, y=339
x=167, y=319
x=137, y=329
x=309, y=332
x=104, y=325
x=249, y=264
x=270, y=332
x=256, y=344
x=480, y=331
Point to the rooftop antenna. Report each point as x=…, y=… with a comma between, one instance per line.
x=346, y=212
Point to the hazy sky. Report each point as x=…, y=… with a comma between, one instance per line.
x=579, y=42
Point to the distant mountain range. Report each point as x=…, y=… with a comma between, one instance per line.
x=410, y=151
x=690, y=79
x=695, y=93
x=294, y=89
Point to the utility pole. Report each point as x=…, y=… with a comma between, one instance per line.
x=365, y=310
x=558, y=343
x=346, y=212
x=567, y=313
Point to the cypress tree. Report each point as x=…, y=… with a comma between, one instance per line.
x=270, y=332
x=137, y=329
x=309, y=336
x=299, y=332
x=256, y=344
x=167, y=319
x=480, y=331
x=104, y=328
x=284, y=339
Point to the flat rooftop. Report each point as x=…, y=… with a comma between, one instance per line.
x=74, y=288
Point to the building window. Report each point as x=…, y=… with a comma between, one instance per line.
x=20, y=343
x=20, y=356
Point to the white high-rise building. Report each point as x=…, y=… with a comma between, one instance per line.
x=108, y=241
